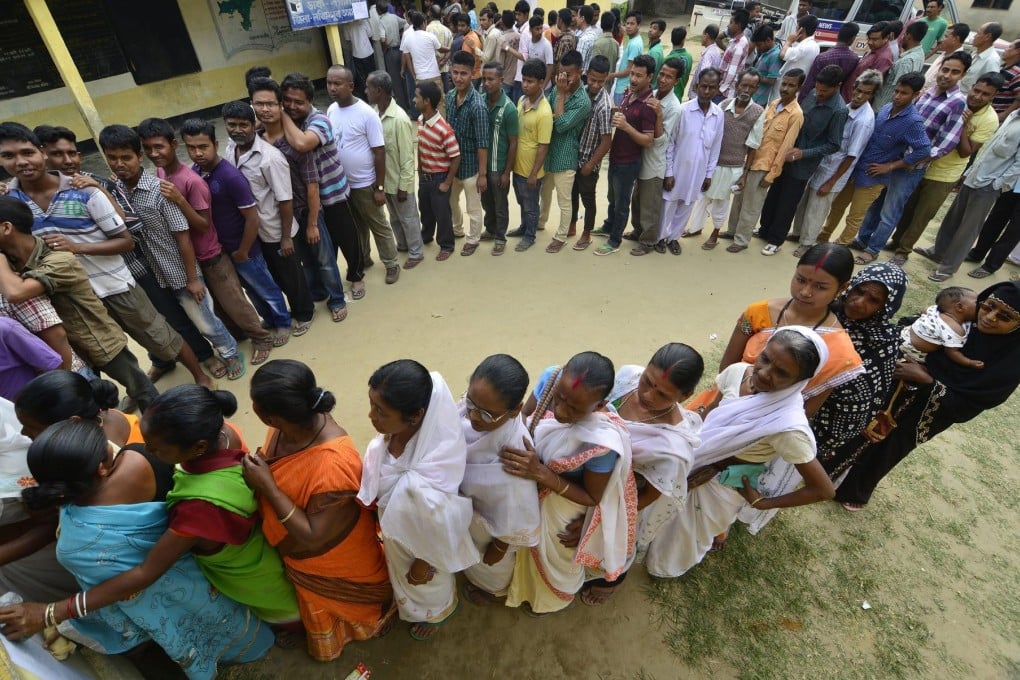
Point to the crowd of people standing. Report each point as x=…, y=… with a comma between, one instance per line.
x=540, y=489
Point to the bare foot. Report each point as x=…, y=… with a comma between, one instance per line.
x=477, y=596
x=852, y=507
x=593, y=596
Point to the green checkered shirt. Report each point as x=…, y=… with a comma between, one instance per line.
x=563, y=147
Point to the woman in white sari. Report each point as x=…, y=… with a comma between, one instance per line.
x=581, y=460
x=506, y=515
x=413, y=469
x=759, y=415
x=663, y=436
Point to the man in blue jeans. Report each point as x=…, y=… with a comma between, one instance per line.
x=237, y=226
x=941, y=112
x=638, y=121
x=535, y=125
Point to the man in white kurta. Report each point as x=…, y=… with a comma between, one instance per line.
x=691, y=159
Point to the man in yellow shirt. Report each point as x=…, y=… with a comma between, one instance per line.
x=535, y=123
x=980, y=123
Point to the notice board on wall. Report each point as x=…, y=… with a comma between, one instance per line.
x=316, y=13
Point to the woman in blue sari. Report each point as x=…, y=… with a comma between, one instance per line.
x=108, y=524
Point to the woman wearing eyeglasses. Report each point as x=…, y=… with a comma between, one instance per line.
x=506, y=515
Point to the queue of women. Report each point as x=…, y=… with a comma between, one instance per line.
x=539, y=497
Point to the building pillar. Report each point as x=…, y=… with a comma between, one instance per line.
x=68, y=70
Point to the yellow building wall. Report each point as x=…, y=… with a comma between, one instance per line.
x=120, y=100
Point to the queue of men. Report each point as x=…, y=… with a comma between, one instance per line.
x=765, y=136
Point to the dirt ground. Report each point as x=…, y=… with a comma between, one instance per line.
x=935, y=555
x=543, y=308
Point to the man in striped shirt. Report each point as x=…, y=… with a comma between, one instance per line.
x=438, y=162
x=735, y=55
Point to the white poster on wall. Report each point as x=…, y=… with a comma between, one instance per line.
x=260, y=25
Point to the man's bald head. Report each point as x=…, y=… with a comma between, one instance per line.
x=340, y=72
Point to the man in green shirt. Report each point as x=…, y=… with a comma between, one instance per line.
x=571, y=108
x=655, y=31
x=678, y=37
x=607, y=46
x=399, y=135
x=936, y=26
x=503, y=131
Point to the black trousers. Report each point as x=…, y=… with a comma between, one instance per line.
x=291, y=278
x=343, y=230
x=436, y=217
x=584, y=194
x=1000, y=233
x=780, y=208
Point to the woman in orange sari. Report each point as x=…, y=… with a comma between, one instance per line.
x=821, y=275
x=307, y=477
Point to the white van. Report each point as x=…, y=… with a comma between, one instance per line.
x=832, y=14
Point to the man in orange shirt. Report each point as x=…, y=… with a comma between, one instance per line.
x=783, y=120
x=472, y=45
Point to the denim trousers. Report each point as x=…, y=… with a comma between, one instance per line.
x=165, y=302
x=528, y=200
x=322, y=275
x=622, y=177
x=208, y=324
x=884, y=214
x=263, y=291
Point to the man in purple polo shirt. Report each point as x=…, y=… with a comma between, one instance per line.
x=22, y=357
x=221, y=272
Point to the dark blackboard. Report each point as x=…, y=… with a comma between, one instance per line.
x=154, y=39
x=105, y=38
x=25, y=65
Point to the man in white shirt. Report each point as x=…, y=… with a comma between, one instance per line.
x=986, y=58
x=800, y=49
x=358, y=35
x=419, y=48
x=362, y=151
x=445, y=37
x=535, y=46
x=390, y=29
x=790, y=22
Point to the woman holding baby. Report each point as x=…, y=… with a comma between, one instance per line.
x=945, y=393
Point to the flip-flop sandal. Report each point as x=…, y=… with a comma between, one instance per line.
x=339, y=314
x=281, y=337
x=709, y=245
x=358, y=290
x=582, y=244
x=979, y=273
x=898, y=260
x=691, y=234
x=236, y=367
x=260, y=352
x=866, y=258
x=215, y=366
x=851, y=507
x=431, y=626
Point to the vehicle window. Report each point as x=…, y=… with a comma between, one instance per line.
x=873, y=11
x=837, y=10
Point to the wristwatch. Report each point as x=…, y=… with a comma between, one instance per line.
x=379, y=187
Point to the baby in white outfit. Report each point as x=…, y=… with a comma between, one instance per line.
x=943, y=326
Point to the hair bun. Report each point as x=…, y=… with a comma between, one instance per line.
x=323, y=401
x=226, y=401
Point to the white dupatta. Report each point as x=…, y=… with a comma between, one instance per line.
x=507, y=506
x=607, y=539
x=738, y=422
x=663, y=453
x=417, y=493
x=14, y=472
